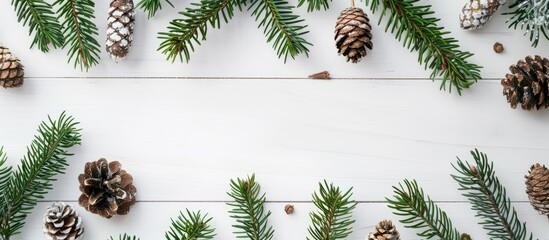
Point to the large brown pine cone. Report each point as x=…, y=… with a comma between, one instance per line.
x=11, y=69
x=62, y=222
x=106, y=189
x=353, y=34
x=527, y=84
x=121, y=22
x=537, y=188
x=384, y=230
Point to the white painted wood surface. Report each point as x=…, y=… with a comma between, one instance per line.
x=183, y=130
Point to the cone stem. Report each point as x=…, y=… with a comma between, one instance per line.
x=353, y=3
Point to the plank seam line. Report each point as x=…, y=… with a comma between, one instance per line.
x=289, y=201
x=252, y=78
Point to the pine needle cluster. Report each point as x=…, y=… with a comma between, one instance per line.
x=333, y=218
x=532, y=16
x=421, y=213
x=248, y=210
x=70, y=26
x=21, y=188
x=282, y=28
x=489, y=199
x=125, y=237
x=151, y=7
x=190, y=226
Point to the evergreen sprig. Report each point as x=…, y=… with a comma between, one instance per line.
x=416, y=27
x=248, y=210
x=489, y=199
x=79, y=31
x=190, y=226
x=152, y=6
x=125, y=237
x=42, y=22
x=281, y=27
x=531, y=16
x=421, y=213
x=333, y=218
x=24, y=186
x=314, y=5
x=192, y=28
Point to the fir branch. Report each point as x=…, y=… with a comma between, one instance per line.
x=79, y=31
x=5, y=172
x=125, y=237
x=531, y=16
x=281, y=27
x=192, y=28
x=416, y=27
x=421, y=213
x=489, y=199
x=332, y=220
x=252, y=221
x=152, y=6
x=46, y=157
x=314, y=5
x=192, y=226
x=42, y=22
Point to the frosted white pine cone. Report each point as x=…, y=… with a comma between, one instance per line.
x=61, y=222
x=121, y=22
x=476, y=13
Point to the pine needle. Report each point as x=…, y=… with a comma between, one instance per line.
x=248, y=210
x=46, y=157
x=190, y=226
x=489, y=199
x=421, y=213
x=152, y=6
x=332, y=219
x=314, y=5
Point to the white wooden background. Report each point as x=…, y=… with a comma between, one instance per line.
x=184, y=130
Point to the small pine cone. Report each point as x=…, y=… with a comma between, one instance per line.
x=527, y=84
x=476, y=13
x=11, y=69
x=62, y=222
x=120, y=29
x=537, y=188
x=353, y=34
x=385, y=230
x=106, y=189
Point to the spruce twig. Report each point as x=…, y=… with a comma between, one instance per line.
x=332, y=220
x=416, y=27
x=152, y=6
x=79, y=31
x=421, y=213
x=190, y=226
x=125, y=237
x=532, y=16
x=46, y=157
x=248, y=210
x=489, y=199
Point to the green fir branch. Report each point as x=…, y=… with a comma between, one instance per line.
x=79, y=31
x=5, y=172
x=489, y=199
x=531, y=16
x=333, y=218
x=281, y=27
x=46, y=157
x=152, y=6
x=192, y=226
x=42, y=22
x=125, y=237
x=248, y=210
x=421, y=213
x=192, y=28
x=314, y=5
x=416, y=27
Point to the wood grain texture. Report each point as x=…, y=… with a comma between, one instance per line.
x=184, y=130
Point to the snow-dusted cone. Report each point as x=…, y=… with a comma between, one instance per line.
x=62, y=222
x=537, y=188
x=527, y=84
x=121, y=22
x=476, y=13
x=384, y=230
x=11, y=69
x=106, y=189
x=353, y=34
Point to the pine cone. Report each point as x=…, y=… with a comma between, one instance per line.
x=476, y=13
x=353, y=34
x=106, y=189
x=537, y=188
x=11, y=69
x=528, y=83
x=120, y=29
x=385, y=230
x=62, y=222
